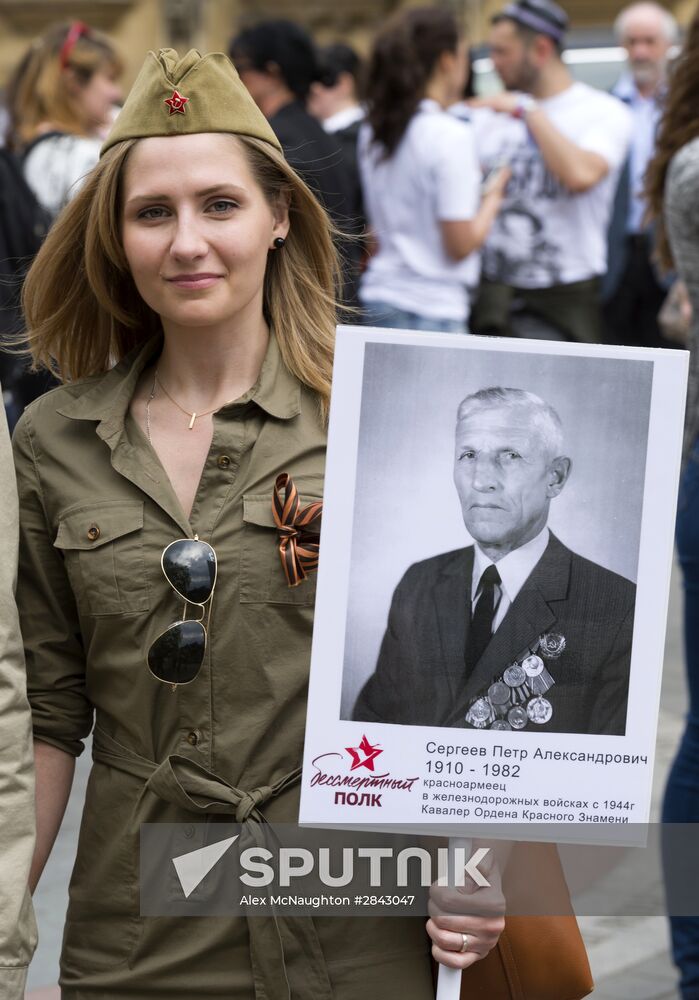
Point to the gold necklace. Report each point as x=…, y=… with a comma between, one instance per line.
x=192, y=415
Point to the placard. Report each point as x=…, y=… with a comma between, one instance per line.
x=493, y=583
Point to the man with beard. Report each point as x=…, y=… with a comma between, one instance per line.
x=565, y=144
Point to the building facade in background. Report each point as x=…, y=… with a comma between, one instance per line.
x=139, y=25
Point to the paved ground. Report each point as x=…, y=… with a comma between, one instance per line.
x=629, y=956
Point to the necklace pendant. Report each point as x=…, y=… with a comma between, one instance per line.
x=191, y=422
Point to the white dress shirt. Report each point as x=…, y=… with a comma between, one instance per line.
x=514, y=569
x=647, y=112
x=343, y=119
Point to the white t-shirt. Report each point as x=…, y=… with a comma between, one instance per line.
x=57, y=166
x=432, y=176
x=544, y=234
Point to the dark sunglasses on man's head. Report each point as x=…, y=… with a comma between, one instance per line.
x=189, y=566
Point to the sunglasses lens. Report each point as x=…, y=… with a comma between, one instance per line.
x=190, y=567
x=177, y=655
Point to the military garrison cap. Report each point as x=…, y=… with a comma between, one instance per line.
x=173, y=96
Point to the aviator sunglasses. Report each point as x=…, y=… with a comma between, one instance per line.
x=189, y=566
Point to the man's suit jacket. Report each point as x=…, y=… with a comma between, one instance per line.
x=420, y=677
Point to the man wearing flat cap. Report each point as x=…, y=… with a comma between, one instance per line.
x=515, y=632
x=565, y=144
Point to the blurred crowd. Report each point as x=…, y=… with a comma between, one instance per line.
x=523, y=213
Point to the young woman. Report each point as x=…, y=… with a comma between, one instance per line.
x=197, y=260
x=421, y=179
x=61, y=102
x=673, y=194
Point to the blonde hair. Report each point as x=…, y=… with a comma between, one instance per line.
x=38, y=91
x=84, y=313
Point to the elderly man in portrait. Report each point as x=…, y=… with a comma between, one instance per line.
x=514, y=632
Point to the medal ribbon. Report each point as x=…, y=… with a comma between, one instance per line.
x=490, y=708
x=298, y=528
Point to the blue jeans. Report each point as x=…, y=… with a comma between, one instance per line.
x=385, y=315
x=681, y=804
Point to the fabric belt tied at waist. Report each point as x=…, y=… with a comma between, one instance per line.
x=286, y=956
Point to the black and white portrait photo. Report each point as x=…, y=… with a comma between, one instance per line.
x=531, y=469
x=493, y=583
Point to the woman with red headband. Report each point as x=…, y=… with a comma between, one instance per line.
x=60, y=100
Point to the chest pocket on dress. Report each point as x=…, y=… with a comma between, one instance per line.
x=102, y=544
x=262, y=577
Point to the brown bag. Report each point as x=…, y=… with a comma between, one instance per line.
x=536, y=957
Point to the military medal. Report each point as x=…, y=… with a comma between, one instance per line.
x=480, y=713
x=499, y=697
x=514, y=676
x=533, y=666
x=516, y=699
x=539, y=680
x=539, y=710
x=517, y=717
x=551, y=645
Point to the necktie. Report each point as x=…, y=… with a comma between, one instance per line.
x=481, y=630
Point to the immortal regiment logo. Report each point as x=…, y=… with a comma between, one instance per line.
x=331, y=770
x=370, y=754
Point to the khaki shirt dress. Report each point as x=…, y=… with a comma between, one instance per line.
x=97, y=510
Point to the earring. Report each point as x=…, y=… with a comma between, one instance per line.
x=279, y=242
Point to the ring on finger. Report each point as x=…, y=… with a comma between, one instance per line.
x=464, y=943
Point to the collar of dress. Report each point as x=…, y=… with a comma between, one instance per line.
x=106, y=398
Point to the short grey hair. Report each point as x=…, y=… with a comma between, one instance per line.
x=669, y=24
x=544, y=419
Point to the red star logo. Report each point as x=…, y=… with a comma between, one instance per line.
x=370, y=755
x=176, y=103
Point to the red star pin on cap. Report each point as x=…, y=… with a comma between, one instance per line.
x=176, y=103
